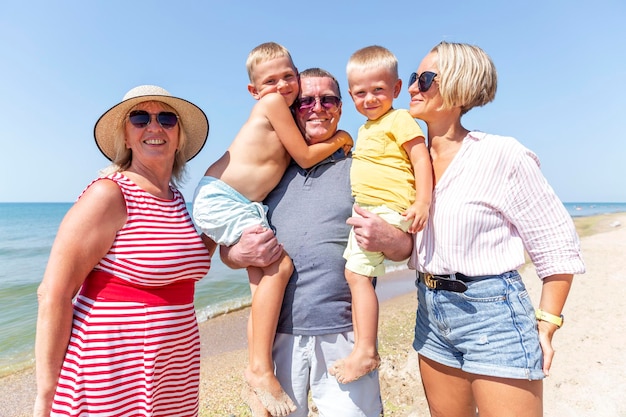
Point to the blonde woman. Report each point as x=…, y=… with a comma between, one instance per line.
x=481, y=344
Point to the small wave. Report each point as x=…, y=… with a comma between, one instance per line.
x=209, y=312
x=16, y=363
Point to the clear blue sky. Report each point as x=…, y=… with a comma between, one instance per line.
x=561, y=68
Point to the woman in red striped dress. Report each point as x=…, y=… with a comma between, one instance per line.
x=116, y=330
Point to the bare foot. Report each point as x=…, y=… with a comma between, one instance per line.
x=270, y=394
x=352, y=368
x=256, y=408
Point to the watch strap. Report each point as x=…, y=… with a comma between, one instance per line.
x=550, y=318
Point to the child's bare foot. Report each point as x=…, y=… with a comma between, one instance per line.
x=353, y=367
x=256, y=408
x=270, y=394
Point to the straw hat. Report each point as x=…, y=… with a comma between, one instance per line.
x=194, y=121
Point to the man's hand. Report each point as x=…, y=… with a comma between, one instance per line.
x=376, y=235
x=257, y=246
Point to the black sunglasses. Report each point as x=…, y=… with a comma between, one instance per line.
x=141, y=119
x=330, y=103
x=424, y=80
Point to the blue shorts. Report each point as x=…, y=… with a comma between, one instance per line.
x=490, y=329
x=222, y=213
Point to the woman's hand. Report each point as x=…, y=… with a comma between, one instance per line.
x=554, y=292
x=42, y=407
x=546, y=332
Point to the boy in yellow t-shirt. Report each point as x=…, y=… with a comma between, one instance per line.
x=391, y=176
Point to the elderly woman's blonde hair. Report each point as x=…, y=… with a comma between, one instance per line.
x=263, y=53
x=123, y=155
x=466, y=76
x=373, y=57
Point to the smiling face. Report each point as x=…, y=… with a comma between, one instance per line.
x=277, y=75
x=318, y=123
x=152, y=142
x=373, y=90
x=425, y=105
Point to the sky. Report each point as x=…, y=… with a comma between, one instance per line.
x=561, y=76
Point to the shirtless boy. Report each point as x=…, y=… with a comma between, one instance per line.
x=227, y=201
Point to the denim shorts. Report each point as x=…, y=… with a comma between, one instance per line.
x=490, y=329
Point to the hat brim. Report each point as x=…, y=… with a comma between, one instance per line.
x=194, y=123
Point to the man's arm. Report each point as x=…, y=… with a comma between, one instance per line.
x=376, y=235
x=257, y=246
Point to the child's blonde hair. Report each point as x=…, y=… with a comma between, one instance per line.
x=373, y=57
x=263, y=53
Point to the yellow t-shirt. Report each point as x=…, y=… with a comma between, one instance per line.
x=381, y=170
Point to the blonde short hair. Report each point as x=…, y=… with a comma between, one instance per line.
x=123, y=155
x=263, y=53
x=466, y=76
x=373, y=57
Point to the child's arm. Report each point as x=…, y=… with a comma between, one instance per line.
x=282, y=121
x=423, y=171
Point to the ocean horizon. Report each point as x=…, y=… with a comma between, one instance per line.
x=27, y=231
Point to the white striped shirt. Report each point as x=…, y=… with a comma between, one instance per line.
x=490, y=204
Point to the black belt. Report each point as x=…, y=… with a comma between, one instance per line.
x=452, y=282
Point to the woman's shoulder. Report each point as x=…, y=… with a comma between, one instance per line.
x=484, y=137
x=501, y=147
x=496, y=141
x=104, y=191
x=115, y=184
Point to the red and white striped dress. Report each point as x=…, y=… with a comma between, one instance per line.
x=135, y=346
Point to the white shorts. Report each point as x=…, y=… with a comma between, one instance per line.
x=303, y=361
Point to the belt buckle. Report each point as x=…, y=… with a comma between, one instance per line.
x=430, y=281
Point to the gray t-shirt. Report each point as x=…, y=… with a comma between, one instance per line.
x=308, y=210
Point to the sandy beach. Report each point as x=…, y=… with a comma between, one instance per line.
x=588, y=375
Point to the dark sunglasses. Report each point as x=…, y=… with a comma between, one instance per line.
x=141, y=119
x=424, y=80
x=330, y=103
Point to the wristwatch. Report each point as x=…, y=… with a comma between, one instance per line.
x=550, y=318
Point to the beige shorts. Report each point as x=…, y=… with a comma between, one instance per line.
x=370, y=264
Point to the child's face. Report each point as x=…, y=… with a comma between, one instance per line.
x=275, y=76
x=373, y=91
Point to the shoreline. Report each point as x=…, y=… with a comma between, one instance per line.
x=587, y=370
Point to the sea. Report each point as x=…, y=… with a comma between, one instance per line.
x=27, y=231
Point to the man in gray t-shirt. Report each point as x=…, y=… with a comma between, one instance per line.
x=308, y=210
